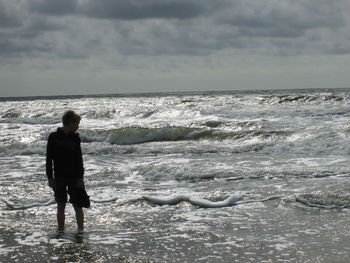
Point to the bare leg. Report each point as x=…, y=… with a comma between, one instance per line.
x=60, y=215
x=79, y=215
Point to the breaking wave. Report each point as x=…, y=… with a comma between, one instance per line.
x=18, y=148
x=136, y=135
x=142, y=135
x=324, y=199
x=310, y=98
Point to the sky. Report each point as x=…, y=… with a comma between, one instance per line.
x=64, y=47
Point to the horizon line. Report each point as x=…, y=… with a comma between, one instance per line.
x=159, y=93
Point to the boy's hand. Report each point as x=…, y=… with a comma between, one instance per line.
x=80, y=183
x=52, y=183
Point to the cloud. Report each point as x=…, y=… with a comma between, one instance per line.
x=9, y=14
x=120, y=9
x=27, y=39
x=53, y=7
x=88, y=29
x=140, y=9
x=297, y=14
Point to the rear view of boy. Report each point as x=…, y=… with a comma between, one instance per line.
x=65, y=169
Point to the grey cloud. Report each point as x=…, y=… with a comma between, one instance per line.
x=164, y=38
x=278, y=18
x=35, y=26
x=339, y=50
x=9, y=15
x=135, y=10
x=270, y=32
x=53, y=7
x=87, y=28
x=22, y=49
x=119, y=9
x=26, y=40
x=8, y=21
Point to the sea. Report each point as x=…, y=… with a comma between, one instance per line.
x=243, y=176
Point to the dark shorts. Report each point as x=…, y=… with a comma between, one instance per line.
x=77, y=196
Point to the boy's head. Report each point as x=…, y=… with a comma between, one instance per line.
x=71, y=120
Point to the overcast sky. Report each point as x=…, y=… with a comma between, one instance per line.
x=57, y=47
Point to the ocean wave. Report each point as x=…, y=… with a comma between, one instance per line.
x=137, y=135
x=33, y=121
x=311, y=98
x=130, y=140
x=100, y=113
x=18, y=148
x=324, y=199
x=313, y=141
x=182, y=140
x=29, y=115
x=142, y=135
x=11, y=114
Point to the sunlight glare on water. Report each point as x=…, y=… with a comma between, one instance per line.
x=290, y=145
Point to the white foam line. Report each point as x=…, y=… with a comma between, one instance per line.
x=303, y=201
x=105, y=201
x=13, y=206
x=26, y=206
x=232, y=200
x=261, y=200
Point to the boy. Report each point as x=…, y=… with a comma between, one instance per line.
x=65, y=170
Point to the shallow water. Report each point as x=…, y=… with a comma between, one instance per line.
x=292, y=145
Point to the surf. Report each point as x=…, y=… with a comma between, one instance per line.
x=231, y=200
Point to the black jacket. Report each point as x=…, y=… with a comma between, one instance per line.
x=63, y=155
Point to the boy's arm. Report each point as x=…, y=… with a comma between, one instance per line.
x=80, y=162
x=80, y=183
x=49, y=158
